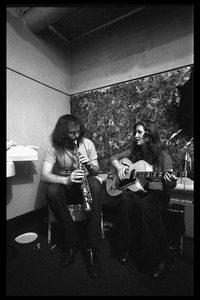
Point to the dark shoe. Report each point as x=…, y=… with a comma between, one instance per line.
x=93, y=262
x=159, y=272
x=124, y=257
x=171, y=262
x=68, y=257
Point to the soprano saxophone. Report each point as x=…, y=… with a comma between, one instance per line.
x=87, y=197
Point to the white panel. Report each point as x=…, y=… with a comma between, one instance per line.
x=43, y=57
x=32, y=112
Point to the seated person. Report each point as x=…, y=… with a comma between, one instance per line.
x=69, y=167
x=140, y=213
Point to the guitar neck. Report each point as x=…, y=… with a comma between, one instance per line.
x=114, y=186
x=147, y=174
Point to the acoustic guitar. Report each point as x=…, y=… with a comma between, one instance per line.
x=137, y=176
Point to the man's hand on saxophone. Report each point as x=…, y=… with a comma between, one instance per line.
x=76, y=176
x=86, y=162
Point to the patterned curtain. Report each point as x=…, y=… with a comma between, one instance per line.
x=109, y=114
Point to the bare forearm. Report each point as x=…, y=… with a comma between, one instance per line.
x=115, y=163
x=52, y=178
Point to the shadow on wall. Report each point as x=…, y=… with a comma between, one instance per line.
x=26, y=177
x=40, y=200
x=24, y=171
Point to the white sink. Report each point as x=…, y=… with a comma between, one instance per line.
x=10, y=168
x=21, y=153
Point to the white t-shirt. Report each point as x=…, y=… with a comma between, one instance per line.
x=65, y=161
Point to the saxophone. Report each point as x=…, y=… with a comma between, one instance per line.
x=87, y=197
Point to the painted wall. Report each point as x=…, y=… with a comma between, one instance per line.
x=43, y=57
x=37, y=94
x=148, y=42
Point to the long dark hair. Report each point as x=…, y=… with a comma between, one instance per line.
x=152, y=150
x=59, y=136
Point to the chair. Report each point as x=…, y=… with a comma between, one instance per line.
x=77, y=213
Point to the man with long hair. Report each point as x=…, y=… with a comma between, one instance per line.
x=63, y=170
x=140, y=209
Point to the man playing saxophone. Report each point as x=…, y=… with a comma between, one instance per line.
x=69, y=167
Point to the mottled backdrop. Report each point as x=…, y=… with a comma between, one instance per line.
x=109, y=114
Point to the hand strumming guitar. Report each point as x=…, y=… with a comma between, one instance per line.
x=122, y=172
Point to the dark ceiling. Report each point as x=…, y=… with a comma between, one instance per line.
x=92, y=18
x=80, y=21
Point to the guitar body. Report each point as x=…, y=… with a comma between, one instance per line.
x=115, y=187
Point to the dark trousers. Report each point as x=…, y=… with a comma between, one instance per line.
x=141, y=225
x=60, y=196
